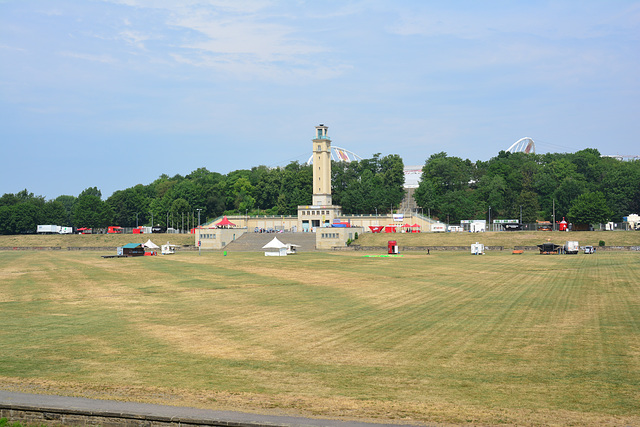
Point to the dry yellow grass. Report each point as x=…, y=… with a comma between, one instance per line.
x=507, y=239
x=91, y=240
x=447, y=338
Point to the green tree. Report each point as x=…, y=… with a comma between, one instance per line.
x=90, y=211
x=528, y=200
x=54, y=212
x=179, y=209
x=129, y=204
x=590, y=208
x=67, y=202
x=243, y=199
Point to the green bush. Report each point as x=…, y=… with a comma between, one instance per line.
x=601, y=243
x=355, y=236
x=4, y=422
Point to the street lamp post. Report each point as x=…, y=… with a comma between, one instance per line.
x=136, y=219
x=489, y=217
x=199, y=243
x=520, y=214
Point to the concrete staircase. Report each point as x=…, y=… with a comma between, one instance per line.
x=253, y=242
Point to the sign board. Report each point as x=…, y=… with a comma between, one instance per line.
x=505, y=221
x=398, y=217
x=473, y=221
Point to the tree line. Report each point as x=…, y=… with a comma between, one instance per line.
x=360, y=187
x=583, y=187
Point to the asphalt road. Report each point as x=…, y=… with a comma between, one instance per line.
x=176, y=414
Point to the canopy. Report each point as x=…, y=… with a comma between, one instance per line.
x=149, y=244
x=225, y=222
x=274, y=244
x=376, y=228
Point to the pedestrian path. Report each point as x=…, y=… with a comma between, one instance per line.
x=144, y=413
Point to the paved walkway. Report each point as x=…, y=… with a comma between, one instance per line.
x=110, y=408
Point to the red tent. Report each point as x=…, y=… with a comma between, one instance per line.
x=376, y=228
x=225, y=223
x=390, y=228
x=416, y=228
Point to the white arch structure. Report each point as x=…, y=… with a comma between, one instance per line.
x=523, y=145
x=339, y=154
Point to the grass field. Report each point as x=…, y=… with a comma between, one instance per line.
x=447, y=338
x=506, y=239
x=92, y=240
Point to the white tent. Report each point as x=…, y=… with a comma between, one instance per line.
x=150, y=245
x=275, y=244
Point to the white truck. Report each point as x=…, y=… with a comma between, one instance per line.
x=54, y=229
x=571, y=247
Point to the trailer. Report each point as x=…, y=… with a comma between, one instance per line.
x=633, y=221
x=48, y=229
x=65, y=230
x=549, y=248
x=571, y=247
x=438, y=227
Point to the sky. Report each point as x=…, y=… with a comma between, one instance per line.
x=115, y=93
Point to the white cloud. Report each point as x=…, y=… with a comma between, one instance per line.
x=183, y=6
x=135, y=38
x=250, y=38
x=12, y=48
x=105, y=59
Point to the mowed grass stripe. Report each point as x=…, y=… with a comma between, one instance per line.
x=501, y=336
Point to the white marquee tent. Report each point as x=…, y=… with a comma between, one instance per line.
x=280, y=248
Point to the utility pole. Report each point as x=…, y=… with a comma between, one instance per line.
x=553, y=225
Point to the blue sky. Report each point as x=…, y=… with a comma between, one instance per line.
x=113, y=93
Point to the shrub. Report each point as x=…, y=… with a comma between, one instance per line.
x=601, y=243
